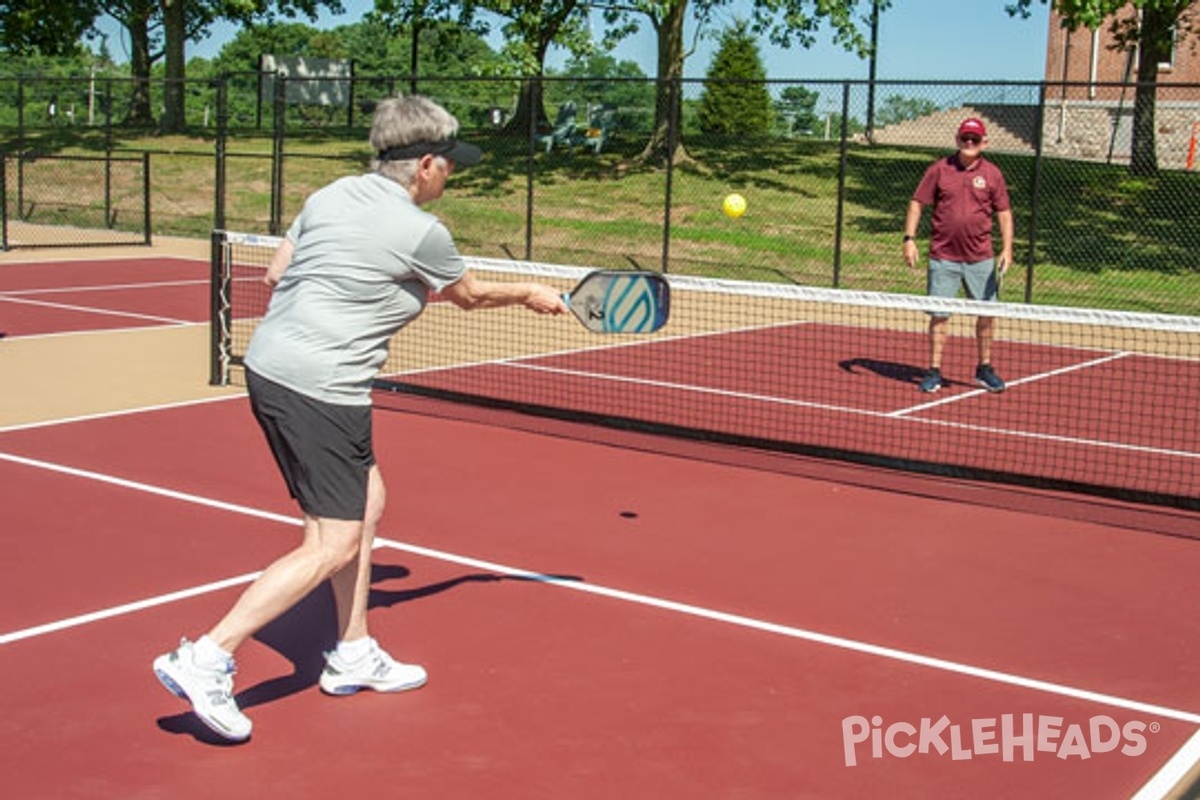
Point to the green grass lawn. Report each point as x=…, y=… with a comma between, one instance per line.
x=1102, y=240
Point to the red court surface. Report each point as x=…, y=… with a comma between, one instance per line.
x=56, y=297
x=603, y=614
x=597, y=621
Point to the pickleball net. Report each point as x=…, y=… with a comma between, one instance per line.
x=1098, y=401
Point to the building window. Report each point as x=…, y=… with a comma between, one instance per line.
x=1169, y=63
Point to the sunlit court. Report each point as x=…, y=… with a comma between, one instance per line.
x=741, y=556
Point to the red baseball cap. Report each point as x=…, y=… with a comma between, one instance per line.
x=972, y=125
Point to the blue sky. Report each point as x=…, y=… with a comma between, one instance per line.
x=918, y=39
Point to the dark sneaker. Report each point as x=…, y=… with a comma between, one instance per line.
x=932, y=381
x=986, y=377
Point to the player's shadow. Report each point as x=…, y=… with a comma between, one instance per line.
x=308, y=630
x=892, y=370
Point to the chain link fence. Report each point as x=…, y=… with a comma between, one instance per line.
x=74, y=201
x=570, y=174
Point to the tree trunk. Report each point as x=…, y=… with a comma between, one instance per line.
x=138, y=25
x=531, y=98
x=668, y=95
x=529, y=101
x=1154, y=47
x=175, y=30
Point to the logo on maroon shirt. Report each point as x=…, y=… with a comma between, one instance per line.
x=978, y=182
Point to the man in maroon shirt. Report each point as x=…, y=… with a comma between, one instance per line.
x=966, y=191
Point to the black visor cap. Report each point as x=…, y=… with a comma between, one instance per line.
x=461, y=153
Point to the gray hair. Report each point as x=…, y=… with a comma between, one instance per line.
x=404, y=120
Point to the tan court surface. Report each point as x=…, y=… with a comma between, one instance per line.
x=76, y=374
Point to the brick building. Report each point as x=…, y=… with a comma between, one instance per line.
x=1089, y=92
x=1089, y=99
x=1087, y=57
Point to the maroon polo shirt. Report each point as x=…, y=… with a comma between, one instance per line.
x=964, y=201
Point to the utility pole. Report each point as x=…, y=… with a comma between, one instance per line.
x=871, y=70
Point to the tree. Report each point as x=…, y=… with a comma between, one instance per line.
x=666, y=17
x=782, y=22
x=532, y=27
x=415, y=16
x=797, y=106
x=897, y=108
x=1151, y=27
x=160, y=29
x=605, y=81
x=48, y=27
x=735, y=98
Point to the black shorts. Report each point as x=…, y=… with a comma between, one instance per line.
x=323, y=449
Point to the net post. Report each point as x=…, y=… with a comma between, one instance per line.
x=219, y=312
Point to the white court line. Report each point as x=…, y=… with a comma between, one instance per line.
x=24, y=337
x=105, y=287
x=1168, y=779
x=750, y=623
x=1018, y=382
x=16, y=261
x=683, y=387
x=92, y=310
x=24, y=426
x=127, y=608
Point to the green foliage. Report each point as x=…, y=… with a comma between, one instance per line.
x=735, y=98
x=796, y=108
x=530, y=27
x=601, y=80
x=46, y=27
x=897, y=108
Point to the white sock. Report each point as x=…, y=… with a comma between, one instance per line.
x=354, y=651
x=210, y=655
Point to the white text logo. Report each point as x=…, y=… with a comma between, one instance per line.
x=1010, y=737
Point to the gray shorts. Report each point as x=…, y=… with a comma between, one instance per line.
x=977, y=278
x=323, y=450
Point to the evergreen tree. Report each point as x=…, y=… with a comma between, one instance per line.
x=797, y=108
x=735, y=97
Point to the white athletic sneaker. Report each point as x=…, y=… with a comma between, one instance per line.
x=376, y=670
x=210, y=691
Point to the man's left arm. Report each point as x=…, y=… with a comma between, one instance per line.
x=1005, y=218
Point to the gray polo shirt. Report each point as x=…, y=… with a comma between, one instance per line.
x=366, y=257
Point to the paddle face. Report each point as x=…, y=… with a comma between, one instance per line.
x=621, y=301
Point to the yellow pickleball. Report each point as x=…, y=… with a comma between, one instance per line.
x=734, y=205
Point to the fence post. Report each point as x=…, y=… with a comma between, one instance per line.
x=674, y=96
x=841, y=186
x=3, y=201
x=219, y=146
x=350, y=85
x=1035, y=189
x=108, y=112
x=20, y=148
x=275, y=225
x=536, y=89
x=147, y=221
x=108, y=215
